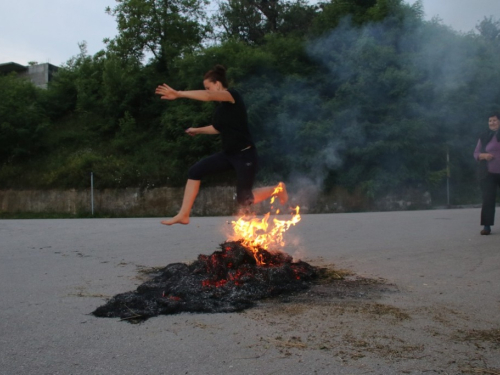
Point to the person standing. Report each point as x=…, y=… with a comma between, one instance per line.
x=487, y=153
x=239, y=153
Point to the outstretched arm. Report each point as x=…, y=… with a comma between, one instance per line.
x=169, y=93
x=203, y=130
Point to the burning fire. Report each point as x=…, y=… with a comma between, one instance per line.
x=228, y=280
x=258, y=233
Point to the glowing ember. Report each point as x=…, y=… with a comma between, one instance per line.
x=228, y=280
x=247, y=268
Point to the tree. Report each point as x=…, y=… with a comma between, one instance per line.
x=22, y=119
x=251, y=20
x=163, y=28
x=361, y=12
x=489, y=29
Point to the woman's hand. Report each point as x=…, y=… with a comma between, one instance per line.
x=485, y=156
x=191, y=131
x=167, y=92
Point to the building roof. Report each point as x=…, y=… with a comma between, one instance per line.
x=12, y=67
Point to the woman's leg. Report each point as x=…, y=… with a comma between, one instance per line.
x=245, y=165
x=190, y=193
x=488, y=189
x=212, y=164
x=263, y=193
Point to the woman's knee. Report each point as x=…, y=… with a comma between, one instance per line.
x=195, y=173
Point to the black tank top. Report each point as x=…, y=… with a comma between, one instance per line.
x=231, y=121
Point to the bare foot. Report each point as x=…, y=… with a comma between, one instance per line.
x=176, y=220
x=282, y=195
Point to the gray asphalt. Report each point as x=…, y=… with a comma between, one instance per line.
x=53, y=273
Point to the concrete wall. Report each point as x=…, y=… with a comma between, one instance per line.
x=40, y=74
x=132, y=201
x=212, y=201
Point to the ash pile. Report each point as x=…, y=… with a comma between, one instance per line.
x=228, y=280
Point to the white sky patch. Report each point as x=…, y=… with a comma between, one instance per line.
x=461, y=15
x=43, y=31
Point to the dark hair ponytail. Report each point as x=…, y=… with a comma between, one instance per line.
x=218, y=73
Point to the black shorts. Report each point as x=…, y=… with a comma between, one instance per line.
x=243, y=162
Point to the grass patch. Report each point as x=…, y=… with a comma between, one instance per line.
x=328, y=275
x=488, y=335
x=481, y=371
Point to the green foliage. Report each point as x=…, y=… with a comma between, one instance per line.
x=361, y=93
x=164, y=28
x=23, y=119
x=121, y=85
x=489, y=29
x=251, y=21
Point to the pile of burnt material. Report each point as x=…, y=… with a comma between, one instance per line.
x=229, y=280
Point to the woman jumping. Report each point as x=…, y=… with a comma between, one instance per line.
x=239, y=153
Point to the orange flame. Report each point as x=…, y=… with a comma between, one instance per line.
x=259, y=233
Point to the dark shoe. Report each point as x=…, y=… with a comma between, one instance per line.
x=485, y=232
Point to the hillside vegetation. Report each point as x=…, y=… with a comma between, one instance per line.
x=362, y=94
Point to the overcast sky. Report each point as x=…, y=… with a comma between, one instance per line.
x=49, y=31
